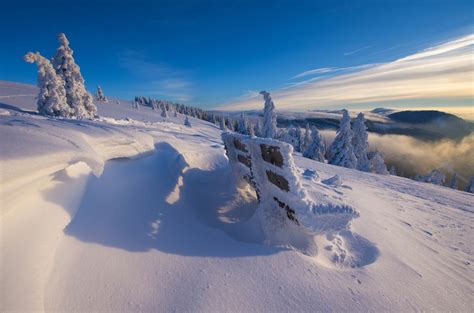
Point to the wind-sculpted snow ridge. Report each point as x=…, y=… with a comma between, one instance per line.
x=285, y=207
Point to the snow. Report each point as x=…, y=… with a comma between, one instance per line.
x=133, y=212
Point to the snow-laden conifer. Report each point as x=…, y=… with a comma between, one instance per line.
x=242, y=125
x=52, y=95
x=454, y=181
x=164, y=113
x=341, y=152
x=257, y=128
x=306, y=138
x=377, y=164
x=360, y=142
x=393, y=171
x=100, y=95
x=316, y=149
x=435, y=177
x=222, y=124
x=269, y=116
x=77, y=96
x=186, y=122
x=470, y=185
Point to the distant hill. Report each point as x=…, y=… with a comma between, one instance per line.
x=443, y=123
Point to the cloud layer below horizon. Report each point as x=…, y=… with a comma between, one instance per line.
x=443, y=74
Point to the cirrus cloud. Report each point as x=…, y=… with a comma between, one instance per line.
x=442, y=73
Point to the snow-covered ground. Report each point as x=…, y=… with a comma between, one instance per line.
x=133, y=212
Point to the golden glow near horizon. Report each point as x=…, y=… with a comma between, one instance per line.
x=442, y=74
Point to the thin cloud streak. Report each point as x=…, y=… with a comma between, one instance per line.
x=444, y=71
x=356, y=51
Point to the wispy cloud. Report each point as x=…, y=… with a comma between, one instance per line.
x=441, y=72
x=356, y=51
x=156, y=79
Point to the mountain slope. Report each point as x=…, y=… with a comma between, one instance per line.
x=167, y=230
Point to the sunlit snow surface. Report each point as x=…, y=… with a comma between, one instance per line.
x=161, y=227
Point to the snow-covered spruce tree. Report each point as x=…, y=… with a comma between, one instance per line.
x=77, y=96
x=341, y=152
x=257, y=128
x=100, y=95
x=377, y=164
x=306, y=138
x=454, y=182
x=186, y=122
x=316, y=148
x=470, y=185
x=435, y=177
x=360, y=141
x=164, y=113
x=222, y=124
x=242, y=125
x=393, y=171
x=269, y=116
x=291, y=135
x=52, y=95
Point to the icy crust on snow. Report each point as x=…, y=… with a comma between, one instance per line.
x=268, y=166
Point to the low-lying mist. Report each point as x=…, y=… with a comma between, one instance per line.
x=412, y=156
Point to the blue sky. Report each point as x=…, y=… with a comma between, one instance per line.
x=208, y=53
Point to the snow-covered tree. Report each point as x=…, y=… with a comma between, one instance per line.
x=306, y=138
x=100, y=95
x=435, y=177
x=186, y=122
x=292, y=135
x=360, y=142
x=454, y=182
x=377, y=164
x=257, y=128
x=52, y=95
x=316, y=149
x=269, y=116
x=393, y=171
x=136, y=104
x=242, y=125
x=164, y=113
x=341, y=152
x=222, y=124
x=77, y=96
x=470, y=185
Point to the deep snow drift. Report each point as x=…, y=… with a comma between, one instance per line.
x=135, y=212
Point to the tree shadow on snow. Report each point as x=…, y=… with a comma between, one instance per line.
x=150, y=203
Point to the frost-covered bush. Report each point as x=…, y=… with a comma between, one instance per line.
x=316, y=148
x=435, y=177
x=52, y=95
x=77, y=96
x=377, y=164
x=269, y=116
x=360, y=141
x=100, y=95
x=341, y=152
